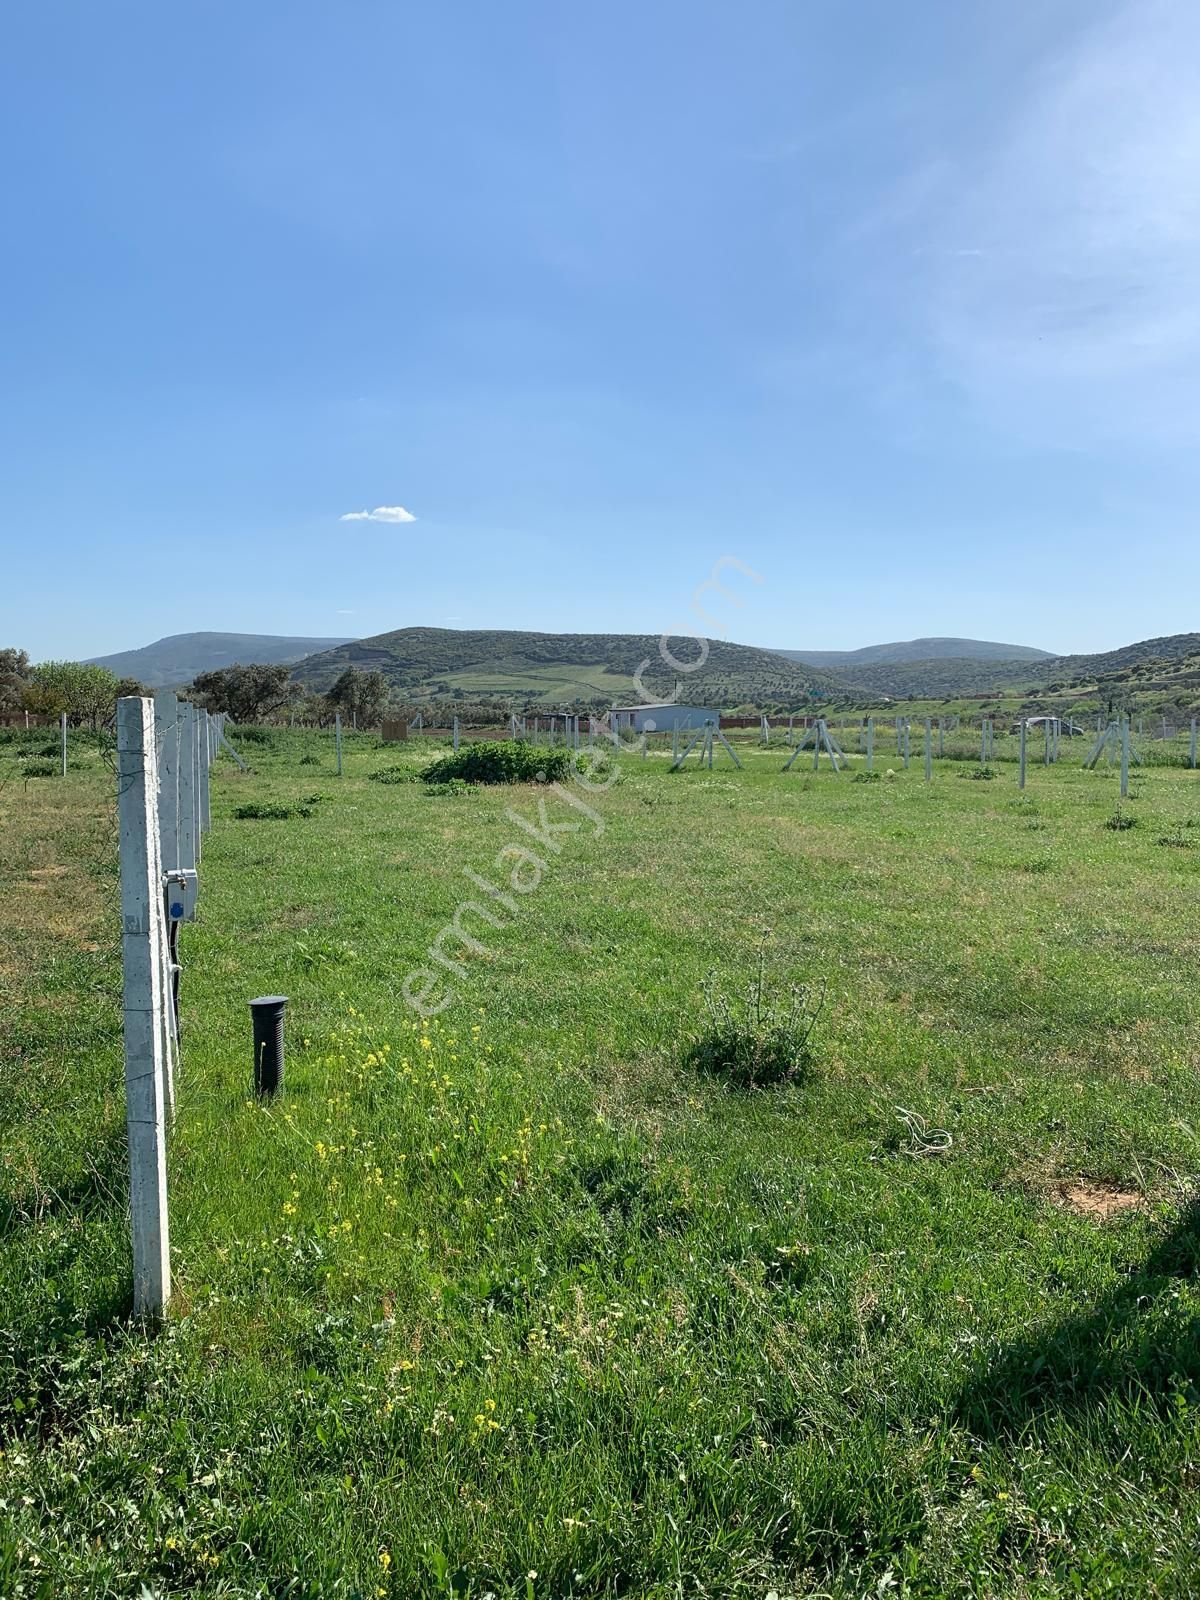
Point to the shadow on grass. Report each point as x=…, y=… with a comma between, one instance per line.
x=101, y=1187
x=1138, y=1344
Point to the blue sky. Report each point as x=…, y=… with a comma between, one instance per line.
x=898, y=305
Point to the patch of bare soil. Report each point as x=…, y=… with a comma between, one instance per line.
x=1098, y=1201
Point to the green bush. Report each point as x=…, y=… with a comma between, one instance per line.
x=393, y=775
x=252, y=736
x=501, y=761
x=866, y=777
x=35, y=768
x=310, y=760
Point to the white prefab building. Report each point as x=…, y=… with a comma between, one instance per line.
x=663, y=717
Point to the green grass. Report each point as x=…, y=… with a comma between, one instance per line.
x=520, y=1301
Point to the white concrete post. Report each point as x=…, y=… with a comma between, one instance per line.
x=1124, y=758
x=928, y=750
x=454, y=733
x=188, y=848
x=337, y=739
x=143, y=937
x=870, y=744
x=166, y=734
x=197, y=812
x=1024, y=749
x=205, y=764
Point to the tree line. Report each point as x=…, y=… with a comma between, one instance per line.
x=254, y=692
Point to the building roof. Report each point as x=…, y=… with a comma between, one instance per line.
x=667, y=705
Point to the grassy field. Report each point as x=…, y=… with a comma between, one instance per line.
x=518, y=1301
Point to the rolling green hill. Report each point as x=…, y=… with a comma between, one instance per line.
x=567, y=668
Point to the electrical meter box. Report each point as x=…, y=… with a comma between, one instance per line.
x=181, y=886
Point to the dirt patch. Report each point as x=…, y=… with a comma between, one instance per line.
x=40, y=873
x=1098, y=1201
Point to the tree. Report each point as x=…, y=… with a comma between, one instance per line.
x=360, y=695
x=87, y=693
x=14, y=677
x=246, y=693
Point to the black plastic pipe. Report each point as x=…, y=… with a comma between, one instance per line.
x=266, y=1014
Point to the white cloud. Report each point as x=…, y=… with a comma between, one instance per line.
x=380, y=514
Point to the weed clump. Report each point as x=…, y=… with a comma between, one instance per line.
x=37, y=768
x=1176, y=840
x=451, y=786
x=866, y=777
x=980, y=774
x=501, y=761
x=310, y=760
x=763, y=1039
x=393, y=775
x=1120, y=821
x=273, y=811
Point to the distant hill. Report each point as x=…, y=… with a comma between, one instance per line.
x=921, y=650
x=564, y=668
x=1127, y=662
x=945, y=678
x=179, y=657
x=1150, y=668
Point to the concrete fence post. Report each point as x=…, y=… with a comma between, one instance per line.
x=143, y=939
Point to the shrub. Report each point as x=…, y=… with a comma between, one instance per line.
x=979, y=774
x=393, y=775
x=1119, y=822
x=760, y=1040
x=252, y=736
x=310, y=760
x=36, y=768
x=866, y=777
x=493, y=761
